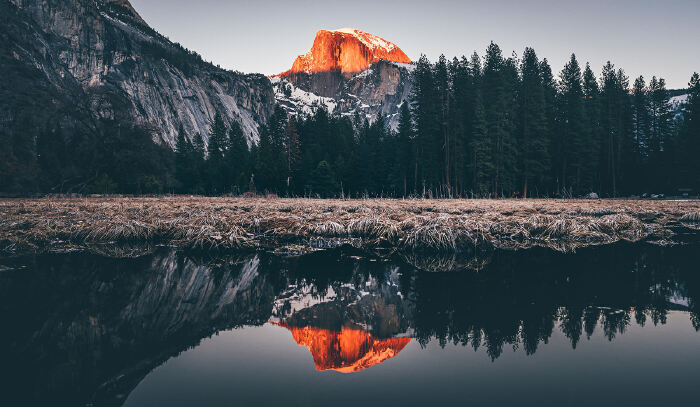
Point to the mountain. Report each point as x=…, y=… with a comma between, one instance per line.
x=102, y=58
x=348, y=72
x=347, y=51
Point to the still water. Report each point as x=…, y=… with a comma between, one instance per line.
x=604, y=326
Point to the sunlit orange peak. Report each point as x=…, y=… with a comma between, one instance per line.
x=346, y=50
x=348, y=350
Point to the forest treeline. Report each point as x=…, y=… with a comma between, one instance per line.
x=488, y=128
x=474, y=127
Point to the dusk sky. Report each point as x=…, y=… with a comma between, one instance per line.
x=643, y=37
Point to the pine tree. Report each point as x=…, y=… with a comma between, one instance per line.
x=405, y=161
x=425, y=113
x=460, y=121
x=690, y=137
x=271, y=165
x=510, y=151
x=571, y=141
x=475, y=69
x=497, y=88
x=216, y=172
x=51, y=159
x=443, y=136
x=534, y=157
x=184, y=161
x=293, y=153
x=549, y=87
x=591, y=128
x=198, y=164
x=480, y=151
x=625, y=125
x=323, y=182
x=659, y=132
x=236, y=159
x=616, y=126
x=641, y=122
x=370, y=173
x=217, y=138
x=264, y=169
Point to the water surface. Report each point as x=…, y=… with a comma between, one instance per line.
x=604, y=326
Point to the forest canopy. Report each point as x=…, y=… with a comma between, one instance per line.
x=491, y=126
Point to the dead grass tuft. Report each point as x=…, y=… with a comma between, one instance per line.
x=691, y=217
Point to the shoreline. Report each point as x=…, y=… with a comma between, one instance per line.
x=408, y=227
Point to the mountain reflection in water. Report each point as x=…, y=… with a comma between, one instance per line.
x=348, y=350
x=88, y=329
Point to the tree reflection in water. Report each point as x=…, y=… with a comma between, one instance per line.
x=86, y=328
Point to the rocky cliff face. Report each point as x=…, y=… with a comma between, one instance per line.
x=347, y=51
x=380, y=89
x=347, y=72
x=129, y=72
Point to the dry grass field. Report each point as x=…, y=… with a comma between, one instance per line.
x=408, y=226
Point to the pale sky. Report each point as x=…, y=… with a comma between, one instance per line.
x=643, y=37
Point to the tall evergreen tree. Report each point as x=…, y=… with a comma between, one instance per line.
x=591, y=127
x=52, y=159
x=217, y=138
x=616, y=127
x=271, y=165
x=572, y=137
x=405, y=164
x=323, y=181
x=534, y=157
x=462, y=94
x=236, y=159
x=443, y=136
x=216, y=148
x=510, y=151
x=640, y=131
x=690, y=138
x=198, y=164
x=425, y=113
x=480, y=151
x=659, y=132
x=293, y=153
x=185, y=170
x=496, y=85
x=549, y=88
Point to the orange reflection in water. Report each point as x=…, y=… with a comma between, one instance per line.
x=348, y=350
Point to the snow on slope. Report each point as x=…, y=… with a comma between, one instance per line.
x=677, y=101
x=298, y=101
x=370, y=40
x=676, y=104
x=367, y=94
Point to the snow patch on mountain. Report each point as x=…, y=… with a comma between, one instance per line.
x=380, y=89
x=297, y=101
x=676, y=104
x=409, y=67
x=370, y=40
x=677, y=101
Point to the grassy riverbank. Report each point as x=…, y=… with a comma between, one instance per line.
x=408, y=226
